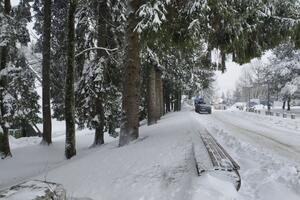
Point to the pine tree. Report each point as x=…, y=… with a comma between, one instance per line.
x=151, y=92
x=98, y=90
x=24, y=107
x=47, y=125
x=4, y=143
x=130, y=104
x=59, y=57
x=19, y=100
x=70, y=149
x=58, y=42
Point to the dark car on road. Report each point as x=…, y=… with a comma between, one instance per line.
x=201, y=106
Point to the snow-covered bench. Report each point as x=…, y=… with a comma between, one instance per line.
x=211, y=157
x=34, y=190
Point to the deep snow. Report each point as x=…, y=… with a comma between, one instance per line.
x=160, y=164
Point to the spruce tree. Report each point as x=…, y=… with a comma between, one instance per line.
x=47, y=125
x=130, y=104
x=4, y=49
x=19, y=100
x=98, y=87
x=70, y=146
x=58, y=55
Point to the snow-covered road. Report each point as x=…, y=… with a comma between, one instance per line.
x=267, y=149
x=261, y=132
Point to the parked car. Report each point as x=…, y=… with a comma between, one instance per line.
x=201, y=106
x=251, y=106
x=240, y=105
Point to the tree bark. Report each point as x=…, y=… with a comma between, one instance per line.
x=167, y=97
x=70, y=148
x=99, y=136
x=179, y=99
x=161, y=95
x=99, y=131
x=283, y=105
x=163, y=98
x=47, y=124
x=151, y=93
x=4, y=141
x=175, y=100
x=131, y=84
x=177, y=95
x=102, y=42
x=157, y=92
x=289, y=104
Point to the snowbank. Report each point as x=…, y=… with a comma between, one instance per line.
x=210, y=187
x=159, y=165
x=23, y=142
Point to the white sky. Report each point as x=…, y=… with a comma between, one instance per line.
x=226, y=82
x=14, y=2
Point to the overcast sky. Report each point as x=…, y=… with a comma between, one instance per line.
x=14, y=2
x=226, y=82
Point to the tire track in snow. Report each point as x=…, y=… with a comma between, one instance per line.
x=265, y=176
x=281, y=148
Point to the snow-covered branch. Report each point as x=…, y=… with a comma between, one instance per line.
x=38, y=77
x=97, y=48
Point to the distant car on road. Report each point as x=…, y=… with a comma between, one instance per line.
x=251, y=106
x=240, y=105
x=201, y=106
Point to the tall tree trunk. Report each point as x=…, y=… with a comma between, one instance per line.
x=163, y=98
x=131, y=85
x=289, y=104
x=175, y=100
x=161, y=95
x=70, y=148
x=168, y=102
x=158, y=93
x=99, y=133
x=47, y=126
x=102, y=38
x=167, y=97
x=179, y=99
x=177, y=95
x=151, y=93
x=4, y=141
x=283, y=105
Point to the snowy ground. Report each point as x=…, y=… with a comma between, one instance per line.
x=157, y=166
x=160, y=164
x=267, y=149
x=294, y=110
